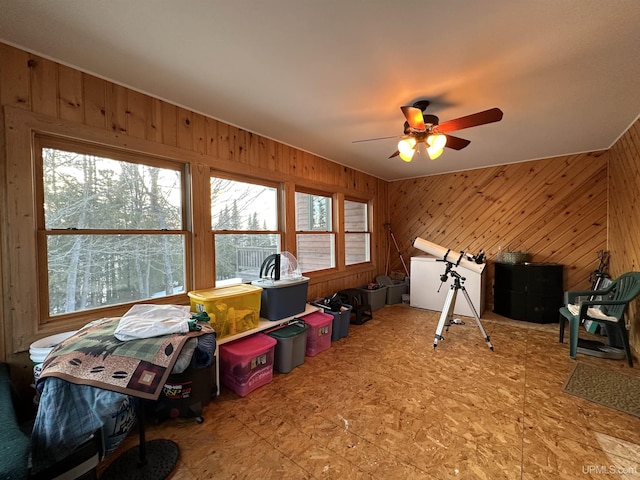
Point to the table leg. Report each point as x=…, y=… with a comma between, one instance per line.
x=149, y=460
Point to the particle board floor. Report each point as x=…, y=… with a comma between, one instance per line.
x=383, y=404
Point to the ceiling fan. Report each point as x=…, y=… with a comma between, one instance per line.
x=423, y=128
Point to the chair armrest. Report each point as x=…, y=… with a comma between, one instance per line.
x=584, y=314
x=570, y=296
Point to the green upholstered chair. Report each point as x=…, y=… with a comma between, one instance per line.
x=606, y=306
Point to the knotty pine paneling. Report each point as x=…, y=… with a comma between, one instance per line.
x=555, y=209
x=43, y=84
x=624, y=216
x=44, y=87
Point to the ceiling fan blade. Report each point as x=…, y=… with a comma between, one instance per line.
x=372, y=139
x=473, y=120
x=456, y=143
x=395, y=154
x=414, y=117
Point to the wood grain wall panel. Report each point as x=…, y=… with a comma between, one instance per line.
x=240, y=152
x=43, y=86
x=185, y=129
x=169, y=127
x=202, y=236
x=70, y=98
x=138, y=110
x=624, y=216
x=116, y=107
x=95, y=95
x=554, y=208
x=262, y=153
x=268, y=155
x=224, y=142
x=199, y=133
x=154, y=121
x=211, y=137
x=14, y=77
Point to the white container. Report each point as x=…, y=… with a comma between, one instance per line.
x=39, y=350
x=425, y=282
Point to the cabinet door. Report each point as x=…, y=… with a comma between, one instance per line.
x=510, y=277
x=544, y=279
x=510, y=303
x=531, y=292
x=543, y=308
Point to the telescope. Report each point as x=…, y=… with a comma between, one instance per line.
x=470, y=262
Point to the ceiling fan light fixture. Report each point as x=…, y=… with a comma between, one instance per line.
x=407, y=156
x=406, y=145
x=423, y=131
x=437, y=141
x=434, y=152
x=406, y=148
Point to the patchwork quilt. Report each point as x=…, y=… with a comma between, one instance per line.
x=94, y=356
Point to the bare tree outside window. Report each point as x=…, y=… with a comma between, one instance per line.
x=113, y=230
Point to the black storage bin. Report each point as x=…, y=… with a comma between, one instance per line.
x=341, y=318
x=184, y=394
x=361, y=311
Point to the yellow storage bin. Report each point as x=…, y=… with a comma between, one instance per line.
x=233, y=309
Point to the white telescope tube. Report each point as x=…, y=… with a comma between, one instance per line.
x=451, y=256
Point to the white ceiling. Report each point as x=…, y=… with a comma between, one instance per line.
x=318, y=74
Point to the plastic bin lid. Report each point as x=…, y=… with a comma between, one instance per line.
x=215, y=293
x=384, y=280
x=253, y=345
x=378, y=287
x=290, y=331
x=316, y=319
x=286, y=282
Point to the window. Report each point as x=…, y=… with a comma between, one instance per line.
x=357, y=237
x=246, y=227
x=314, y=238
x=110, y=227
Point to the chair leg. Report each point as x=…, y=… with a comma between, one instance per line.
x=561, y=336
x=625, y=339
x=574, y=325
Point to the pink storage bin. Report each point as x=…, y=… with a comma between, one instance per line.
x=248, y=363
x=319, y=334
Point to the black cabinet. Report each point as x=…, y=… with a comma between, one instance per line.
x=528, y=291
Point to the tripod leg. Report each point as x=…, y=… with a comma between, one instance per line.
x=475, y=314
x=447, y=311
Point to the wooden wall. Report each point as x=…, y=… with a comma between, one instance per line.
x=624, y=215
x=562, y=210
x=49, y=90
x=555, y=209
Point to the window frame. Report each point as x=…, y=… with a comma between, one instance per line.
x=47, y=140
x=332, y=212
x=280, y=224
x=346, y=232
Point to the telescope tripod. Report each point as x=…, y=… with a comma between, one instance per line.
x=446, y=318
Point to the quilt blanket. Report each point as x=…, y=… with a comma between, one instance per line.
x=94, y=356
